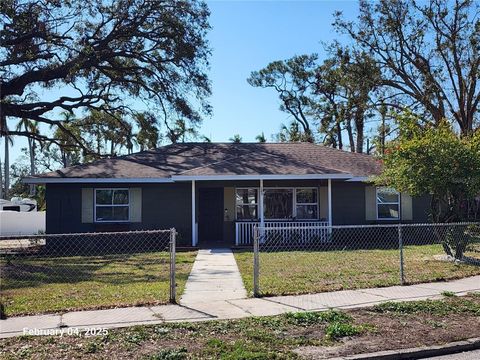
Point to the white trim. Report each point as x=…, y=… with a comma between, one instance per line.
x=329, y=191
x=262, y=177
x=175, y=178
x=95, y=180
x=194, y=223
x=260, y=207
x=388, y=203
x=257, y=204
x=316, y=203
x=367, y=179
x=110, y=205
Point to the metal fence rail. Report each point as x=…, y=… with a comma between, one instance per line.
x=292, y=260
x=59, y=272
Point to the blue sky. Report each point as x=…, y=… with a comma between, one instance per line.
x=246, y=36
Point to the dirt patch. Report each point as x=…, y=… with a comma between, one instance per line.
x=392, y=332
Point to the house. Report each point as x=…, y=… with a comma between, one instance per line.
x=211, y=192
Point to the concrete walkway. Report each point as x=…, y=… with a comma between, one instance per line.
x=213, y=282
x=214, y=277
x=231, y=306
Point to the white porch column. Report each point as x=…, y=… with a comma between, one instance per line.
x=194, y=227
x=262, y=220
x=330, y=202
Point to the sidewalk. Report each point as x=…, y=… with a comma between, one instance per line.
x=213, y=282
x=234, y=308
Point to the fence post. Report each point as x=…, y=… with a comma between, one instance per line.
x=173, y=285
x=400, y=247
x=256, y=264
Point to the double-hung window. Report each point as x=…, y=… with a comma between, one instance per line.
x=247, y=204
x=112, y=205
x=388, y=204
x=306, y=203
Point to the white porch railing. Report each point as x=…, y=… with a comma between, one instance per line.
x=244, y=229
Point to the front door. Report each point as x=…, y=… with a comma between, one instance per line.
x=210, y=217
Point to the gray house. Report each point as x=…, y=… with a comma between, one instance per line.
x=215, y=193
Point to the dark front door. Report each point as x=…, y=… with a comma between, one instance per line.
x=210, y=217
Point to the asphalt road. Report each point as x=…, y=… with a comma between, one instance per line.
x=469, y=355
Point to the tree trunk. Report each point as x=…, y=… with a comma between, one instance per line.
x=350, y=135
x=7, y=166
x=339, y=135
x=31, y=149
x=359, y=126
x=360, y=141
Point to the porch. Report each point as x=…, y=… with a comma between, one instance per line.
x=304, y=230
x=225, y=213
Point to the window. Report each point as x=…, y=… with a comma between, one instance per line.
x=307, y=204
x=388, y=204
x=278, y=204
x=112, y=205
x=247, y=204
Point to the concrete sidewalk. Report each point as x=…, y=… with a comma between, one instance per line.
x=234, y=308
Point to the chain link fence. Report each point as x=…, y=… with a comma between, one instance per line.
x=62, y=272
x=290, y=260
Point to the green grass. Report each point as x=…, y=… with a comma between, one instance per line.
x=302, y=272
x=310, y=318
x=432, y=307
x=58, y=284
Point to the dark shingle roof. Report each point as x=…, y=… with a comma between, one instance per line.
x=203, y=159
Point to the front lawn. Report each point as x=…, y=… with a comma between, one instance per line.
x=316, y=335
x=302, y=272
x=57, y=284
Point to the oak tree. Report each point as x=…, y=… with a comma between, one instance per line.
x=428, y=53
x=112, y=56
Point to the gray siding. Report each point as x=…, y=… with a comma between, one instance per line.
x=163, y=206
x=169, y=205
x=348, y=205
x=421, y=209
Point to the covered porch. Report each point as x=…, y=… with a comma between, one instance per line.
x=225, y=212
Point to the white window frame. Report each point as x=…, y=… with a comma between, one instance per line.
x=251, y=204
x=294, y=202
x=110, y=205
x=399, y=203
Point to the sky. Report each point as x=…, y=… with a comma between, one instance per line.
x=246, y=36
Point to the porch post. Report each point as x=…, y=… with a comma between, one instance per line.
x=262, y=220
x=194, y=228
x=329, y=202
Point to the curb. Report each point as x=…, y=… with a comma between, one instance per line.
x=419, y=352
